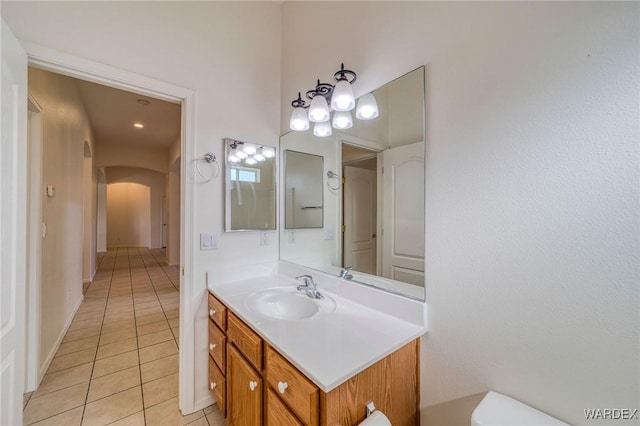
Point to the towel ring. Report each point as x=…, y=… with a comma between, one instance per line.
x=331, y=175
x=209, y=158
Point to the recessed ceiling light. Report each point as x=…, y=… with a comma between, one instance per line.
x=138, y=125
x=143, y=102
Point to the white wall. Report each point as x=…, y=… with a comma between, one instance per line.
x=126, y=155
x=65, y=128
x=532, y=185
x=173, y=205
x=227, y=52
x=128, y=215
x=156, y=182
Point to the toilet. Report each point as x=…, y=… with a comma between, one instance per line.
x=500, y=410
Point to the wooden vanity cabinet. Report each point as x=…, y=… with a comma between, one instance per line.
x=218, y=352
x=262, y=387
x=245, y=391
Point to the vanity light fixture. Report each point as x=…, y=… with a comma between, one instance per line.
x=326, y=98
x=268, y=152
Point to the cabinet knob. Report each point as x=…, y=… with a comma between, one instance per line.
x=282, y=386
x=212, y=346
x=212, y=385
x=253, y=385
x=212, y=312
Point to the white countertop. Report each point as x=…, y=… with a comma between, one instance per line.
x=328, y=348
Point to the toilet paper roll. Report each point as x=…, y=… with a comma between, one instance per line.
x=377, y=418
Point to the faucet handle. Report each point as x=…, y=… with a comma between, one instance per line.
x=306, y=278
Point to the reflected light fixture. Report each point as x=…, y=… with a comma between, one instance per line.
x=248, y=153
x=325, y=99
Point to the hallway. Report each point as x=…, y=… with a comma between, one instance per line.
x=118, y=362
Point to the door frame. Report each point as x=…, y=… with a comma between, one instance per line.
x=76, y=67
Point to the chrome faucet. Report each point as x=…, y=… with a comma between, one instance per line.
x=345, y=274
x=309, y=286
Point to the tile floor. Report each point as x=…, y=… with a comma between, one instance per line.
x=118, y=362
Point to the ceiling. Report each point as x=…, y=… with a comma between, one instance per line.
x=112, y=113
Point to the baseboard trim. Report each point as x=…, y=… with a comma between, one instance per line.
x=52, y=353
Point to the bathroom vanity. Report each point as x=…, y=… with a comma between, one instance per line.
x=299, y=367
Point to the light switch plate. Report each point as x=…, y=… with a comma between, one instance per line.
x=209, y=241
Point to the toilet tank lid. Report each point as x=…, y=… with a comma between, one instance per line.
x=496, y=409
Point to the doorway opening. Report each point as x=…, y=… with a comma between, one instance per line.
x=143, y=87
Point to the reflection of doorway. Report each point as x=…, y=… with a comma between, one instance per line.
x=360, y=209
x=360, y=215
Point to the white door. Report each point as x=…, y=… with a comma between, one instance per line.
x=403, y=213
x=13, y=230
x=360, y=219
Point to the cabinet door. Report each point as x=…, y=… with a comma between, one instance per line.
x=277, y=413
x=244, y=391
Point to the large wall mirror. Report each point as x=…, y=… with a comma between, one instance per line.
x=250, y=186
x=373, y=194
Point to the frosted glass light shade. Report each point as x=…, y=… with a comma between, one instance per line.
x=342, y=120
x=322, y=130
x=233, y=158
x=299, y=121
x=241, y=154
x=319, y=109
x=259, y=157
x=342, y=98
x=250, y=161
x=268, y=152
x=249, y=149
x=367, y=107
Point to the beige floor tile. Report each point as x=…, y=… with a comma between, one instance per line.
x=136, y=419
x=148, y=311
x=146, y=305
x=174, y=322
x=79, y=325
x=216, y=419
x=172, y=313
x=112, y=408
x=116, y=336
x=148, y=319
x=202, y=421
x=119, y=326
x=115, y=363
x=159, y=368
x=68, y=418
x=110, y=319
x=88, y=316
x=64, y=378
x=78, y=345
x=71, y=360
x=160, y=390
x=153, y=338
x=117, y=348
x=153, y=327
x=113, y=383
x=81, y=333
x=168, y=414
x=25, y=398
x=160, y=350
x=54, y=403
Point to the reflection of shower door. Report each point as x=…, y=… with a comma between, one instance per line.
x=403, y=213
x=360, y=219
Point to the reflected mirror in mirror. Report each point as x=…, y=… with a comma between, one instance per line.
x=303, y=190
x=374, y=221
x=250, y=186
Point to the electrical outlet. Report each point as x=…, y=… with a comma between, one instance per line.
x=329, y=233
x=264, y=238
x=291, y=237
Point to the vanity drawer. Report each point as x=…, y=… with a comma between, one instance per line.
x=217, y=385
x=298, y=392
x=217, y=346
x=245, y=339
x=277, y=413
x=217, y=312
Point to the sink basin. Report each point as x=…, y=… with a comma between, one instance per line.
x=286, y=303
